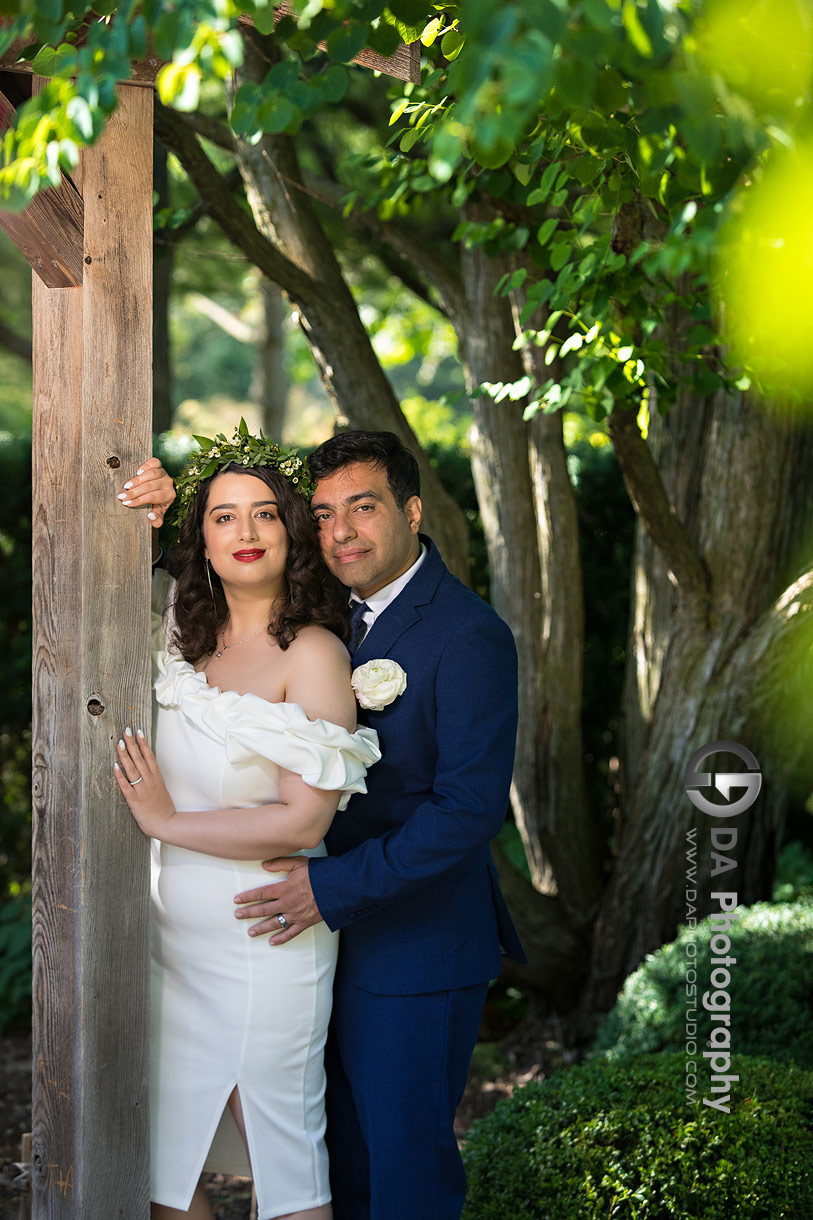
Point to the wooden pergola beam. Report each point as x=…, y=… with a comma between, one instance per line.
x=49, y=233
x=403, y=64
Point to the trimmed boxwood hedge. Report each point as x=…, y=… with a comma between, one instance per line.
x=611, y=1139
x=771, y=989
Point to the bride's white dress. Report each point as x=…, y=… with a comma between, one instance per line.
x=228, y=1010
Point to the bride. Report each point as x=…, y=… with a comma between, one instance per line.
x=255, y=748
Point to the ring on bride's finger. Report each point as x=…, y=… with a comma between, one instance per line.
x=133, y=782
x=282, y=921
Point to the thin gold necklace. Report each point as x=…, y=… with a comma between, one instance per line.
x=235, y=644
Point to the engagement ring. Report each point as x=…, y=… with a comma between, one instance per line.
x=282, y=921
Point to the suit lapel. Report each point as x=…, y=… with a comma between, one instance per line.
x=404, y=611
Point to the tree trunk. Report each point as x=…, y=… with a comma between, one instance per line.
x=529, y=516
x=269, y=387
x=739, y=480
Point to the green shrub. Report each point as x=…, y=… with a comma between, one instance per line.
x=794, y=873
x=771, y=989
x=620, y=1140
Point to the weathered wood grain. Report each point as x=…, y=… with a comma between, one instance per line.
x=403, y=64
x=92, y=396
x=49, y=232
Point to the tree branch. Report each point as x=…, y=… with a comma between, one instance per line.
x=788, y=620
x=210, y=129
x=651, y=503
x=219, y=203
x=397, y=247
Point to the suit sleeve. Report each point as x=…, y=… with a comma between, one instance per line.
x=476, y=704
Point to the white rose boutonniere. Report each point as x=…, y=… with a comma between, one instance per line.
x=378, y=684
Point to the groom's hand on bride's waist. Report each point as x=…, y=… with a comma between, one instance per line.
x=287, y=907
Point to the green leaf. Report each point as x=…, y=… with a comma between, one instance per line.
x=635, y=30
x=399, y=110
x=409, y=138
x=78, y=111
x=451, y=44
x=52, y=10
x=281, y=76
x=559, y=255
x=345, y=43
x=546, y=229
x=430, y=31
x=411, y=12
x=49, y=60
x=493, y=152
x=384, y=39
x=335, y=82
x=243, y=117
x=516, y=279
x=276, y=114
x=137, y=37
x=263, y=19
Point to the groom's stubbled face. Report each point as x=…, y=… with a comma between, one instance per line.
x=366, y=539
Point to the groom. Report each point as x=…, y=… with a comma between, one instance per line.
x=409, y=877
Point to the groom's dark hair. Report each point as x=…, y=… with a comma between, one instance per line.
x=382, y=449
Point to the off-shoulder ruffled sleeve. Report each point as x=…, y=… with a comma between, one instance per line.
x=326, y=755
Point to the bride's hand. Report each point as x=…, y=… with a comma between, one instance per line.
x=141, y=784
x=151, y=487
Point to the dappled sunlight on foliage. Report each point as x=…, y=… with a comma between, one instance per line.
x=437, y=423
x=760, y=48
x=765, y=269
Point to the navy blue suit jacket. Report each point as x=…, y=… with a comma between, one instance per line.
x=409, y=877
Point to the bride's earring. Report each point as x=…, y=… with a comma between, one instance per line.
x=209, y=577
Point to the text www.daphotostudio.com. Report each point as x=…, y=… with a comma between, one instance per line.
x=716, y=1000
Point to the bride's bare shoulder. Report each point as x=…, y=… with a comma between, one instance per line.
x=317, y=644
x=318, y=676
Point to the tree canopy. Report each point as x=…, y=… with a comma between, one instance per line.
x=643, y=152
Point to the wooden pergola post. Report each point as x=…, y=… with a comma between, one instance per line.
x=91, y=428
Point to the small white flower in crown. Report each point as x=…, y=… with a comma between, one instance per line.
x=378, y=684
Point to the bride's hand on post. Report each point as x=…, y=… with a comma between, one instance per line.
x=141, y=784
x=150, y=487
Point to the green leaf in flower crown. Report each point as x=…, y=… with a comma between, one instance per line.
x=243, y=427
x=204, y=441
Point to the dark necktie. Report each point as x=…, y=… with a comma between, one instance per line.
x=358, y=627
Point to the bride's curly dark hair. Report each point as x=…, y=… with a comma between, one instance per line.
x=312, y=593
